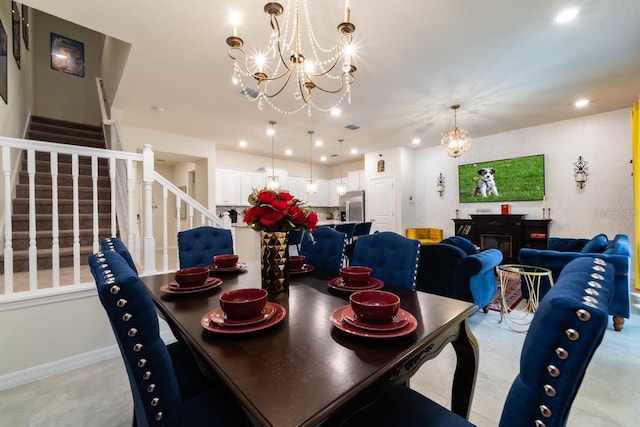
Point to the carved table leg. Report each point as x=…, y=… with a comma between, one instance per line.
x=618, y=323
x=464, y=378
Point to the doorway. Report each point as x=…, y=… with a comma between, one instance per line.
x=382, y=205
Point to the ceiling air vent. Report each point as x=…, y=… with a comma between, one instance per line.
x=333, y=155
x=352, y=127
x=250, y=92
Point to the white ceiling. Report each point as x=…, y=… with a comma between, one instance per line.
x=506, y=62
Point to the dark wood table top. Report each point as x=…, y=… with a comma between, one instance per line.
x=303, y=370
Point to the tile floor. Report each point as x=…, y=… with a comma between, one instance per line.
x=99, y=395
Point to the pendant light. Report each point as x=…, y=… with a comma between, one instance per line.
x=457, y=141
x=273, y=182
x=312, y=185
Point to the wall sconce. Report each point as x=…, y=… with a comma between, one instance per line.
x=581, y=172
x=440, y=184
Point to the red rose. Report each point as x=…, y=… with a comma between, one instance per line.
x=250, y=215
x=265, y=197
x=312, y=220
x=280, y=205
x=285, y=196
x=297, y=215
x=271, y=218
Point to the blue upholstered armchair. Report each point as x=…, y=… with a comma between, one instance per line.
x=446, y=269
x=392, y=257
x=565, y=332
x=198, y=246
x=564, y=250
x=167, y=385
x=327, y=253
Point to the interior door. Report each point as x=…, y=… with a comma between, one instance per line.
x=382, y=206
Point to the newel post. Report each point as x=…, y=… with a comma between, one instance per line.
x=147, y=179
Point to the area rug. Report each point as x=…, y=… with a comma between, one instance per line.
x=513, y=293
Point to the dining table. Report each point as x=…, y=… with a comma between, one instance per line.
x=303, y=370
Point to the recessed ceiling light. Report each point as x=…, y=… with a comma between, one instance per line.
x=336, y=112
x=158, y=109
x=319, y=143
x=323, y=158
x=415, y=141
x=566, y=15
x=243, y=144
x=581, y=103
x=354, y=151
x=288, y=151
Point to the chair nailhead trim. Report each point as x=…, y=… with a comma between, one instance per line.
x=137, y=347
x=590, y=304
x=549, y=390
x=158, y=416
x=592, y=292
x=146, y=375
x=594, y=284
x=572, y=334
x=103, y=266
x=114, y=289
x=121, y=302
x=562, y=353
x=141, y=363
x=101, y=259
x=540, y=424
x=598, y=268
x=132, y=332
x=110, y=281
x=151, y=388
x=599, y=261
x=545, y=411
x=155, y=401
x=597, y=276
x=588, y=298
x=584, y=315
x=127, y=316
x=553, y=371
x=107, y=272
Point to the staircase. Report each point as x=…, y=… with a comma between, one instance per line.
x=63, y=132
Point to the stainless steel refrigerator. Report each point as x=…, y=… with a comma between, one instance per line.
x=352, y=206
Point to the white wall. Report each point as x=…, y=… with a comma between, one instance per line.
x=604, y=206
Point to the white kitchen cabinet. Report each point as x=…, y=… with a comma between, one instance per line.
x=249, y=181
x=322, y=196
x=355, y=180
x=334, y=199
x=227, y=187
x=297, y=187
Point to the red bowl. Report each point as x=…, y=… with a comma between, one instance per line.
x=375, y=306
x=296, y=262
x=190, y=277
x=355, y=275
x=225, y=261
x=243, y=303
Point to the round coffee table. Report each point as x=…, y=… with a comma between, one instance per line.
x=529, y=274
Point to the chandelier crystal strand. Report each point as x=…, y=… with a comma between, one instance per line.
x=295, y=65
x=455, y=142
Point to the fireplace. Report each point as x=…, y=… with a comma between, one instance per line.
x=502, y=242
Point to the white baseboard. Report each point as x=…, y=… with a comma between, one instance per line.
x=35, y=373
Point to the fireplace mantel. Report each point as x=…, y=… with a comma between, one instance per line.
x=508, y=233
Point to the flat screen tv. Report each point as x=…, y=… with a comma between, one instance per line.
x=516, y=179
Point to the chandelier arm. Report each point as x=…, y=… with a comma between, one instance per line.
x=279, y=47
x=342, y=84
x=284, y=85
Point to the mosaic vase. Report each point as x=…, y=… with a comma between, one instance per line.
x=274, y=268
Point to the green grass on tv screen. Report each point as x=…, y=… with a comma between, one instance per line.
x=517, y=179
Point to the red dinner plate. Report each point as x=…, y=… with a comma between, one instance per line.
x=210, y=325
x=210, y=283
x=338, y=283
x=307, y=268
x=220, y=318
x=399, y=321
x=238, y=267
x=337, y=318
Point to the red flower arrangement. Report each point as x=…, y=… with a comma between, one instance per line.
x=278, y=211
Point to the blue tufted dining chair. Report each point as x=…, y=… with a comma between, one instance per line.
x=327, y=253
x=565, y=331
x=295, y=238
x=114, y=244
x=349, y=229
x=392, y=257
x=198, y=246
x=167, y=386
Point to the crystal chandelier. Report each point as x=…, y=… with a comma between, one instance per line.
x=341, y=188
x=293, y=55
x=457, y=141
x=312, y=185
x=273, y=182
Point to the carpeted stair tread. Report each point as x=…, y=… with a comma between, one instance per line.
x=64, y=123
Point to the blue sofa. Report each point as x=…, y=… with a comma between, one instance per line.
x=563, y=250
x=454, y=269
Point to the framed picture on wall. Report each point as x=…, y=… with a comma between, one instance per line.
x=3, y=63
x=67, y=55
x=16, y=21
x=25, y=25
